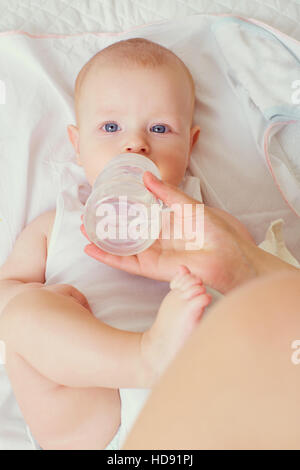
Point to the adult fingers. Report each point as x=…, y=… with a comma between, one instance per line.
x=166, y=192
x=83, y=231
x=125, y=263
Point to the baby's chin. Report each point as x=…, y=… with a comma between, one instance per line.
x=172, y=180
x=90, y=179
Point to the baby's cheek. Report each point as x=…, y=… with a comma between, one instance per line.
x=92, y=167
x=174, y=171
x=91, y=172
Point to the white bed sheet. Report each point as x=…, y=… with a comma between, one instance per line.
x=63, y=18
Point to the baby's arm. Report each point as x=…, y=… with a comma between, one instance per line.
x=25, y=267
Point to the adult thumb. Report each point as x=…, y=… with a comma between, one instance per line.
x=166, y=192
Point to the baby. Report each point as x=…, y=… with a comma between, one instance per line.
x=76, y=331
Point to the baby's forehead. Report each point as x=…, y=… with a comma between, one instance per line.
x=94, y=74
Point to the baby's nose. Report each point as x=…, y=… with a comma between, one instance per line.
x=137, y=146
x=133, y=149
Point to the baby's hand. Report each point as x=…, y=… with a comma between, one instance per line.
x=69, y=291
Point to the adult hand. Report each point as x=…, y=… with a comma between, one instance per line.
x=223, y=262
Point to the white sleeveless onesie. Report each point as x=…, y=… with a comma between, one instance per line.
x=125, y=301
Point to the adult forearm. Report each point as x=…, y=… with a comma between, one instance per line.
x=253, y=262
x=63, y=341
x=265, y=263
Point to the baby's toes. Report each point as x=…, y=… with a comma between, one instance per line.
x=181, y=272
x=192, y=291
x=197, y=305
x=189, y=281
x=193, y=280
x=185, y=280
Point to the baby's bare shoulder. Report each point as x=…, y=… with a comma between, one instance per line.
x=44, y=224
x=44, y=221
x=47, y=223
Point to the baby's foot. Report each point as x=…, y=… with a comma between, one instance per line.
x=179, y=313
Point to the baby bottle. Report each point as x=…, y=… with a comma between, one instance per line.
x=121, y=215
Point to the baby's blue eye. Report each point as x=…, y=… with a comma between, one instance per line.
x=160, y=128
x=113, y=127
x=109, y=126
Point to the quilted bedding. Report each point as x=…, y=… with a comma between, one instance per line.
x=65, y=17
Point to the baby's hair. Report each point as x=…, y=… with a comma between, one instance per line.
x=135, y=51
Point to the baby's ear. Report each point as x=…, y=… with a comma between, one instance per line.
x=195, y=132
x=74, y=139
x=194, y=135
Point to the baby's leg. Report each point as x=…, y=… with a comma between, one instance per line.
x=59, y=417
x=179, y=313
x=63, y=357
x=62, y=417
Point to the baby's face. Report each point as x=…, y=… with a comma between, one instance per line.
x=140, y=110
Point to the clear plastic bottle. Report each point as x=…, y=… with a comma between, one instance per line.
x=121, y=215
